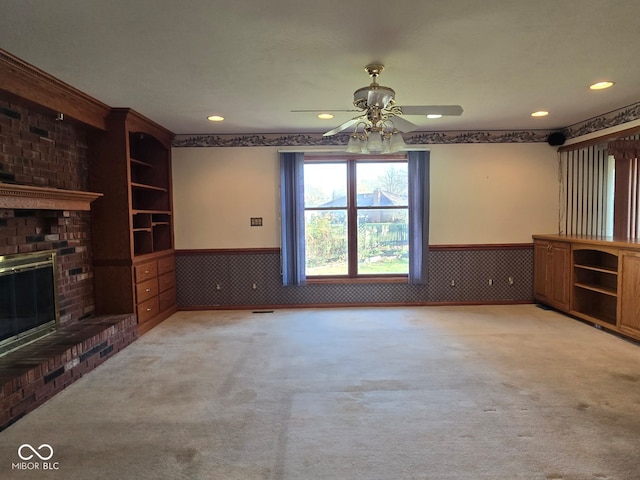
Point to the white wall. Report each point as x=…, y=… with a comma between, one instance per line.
x=480, y=193
x=217, y=190
x=492, y=193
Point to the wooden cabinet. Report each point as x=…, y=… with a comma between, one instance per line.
x=604, y=279
x=552, y=274
x=150, y=193
x=132, y=225
x=155, y=289
x=595, y=284
x=630, y=294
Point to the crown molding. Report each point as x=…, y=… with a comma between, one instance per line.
x=23, y=80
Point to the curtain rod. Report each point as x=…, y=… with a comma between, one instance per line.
x=419, y=148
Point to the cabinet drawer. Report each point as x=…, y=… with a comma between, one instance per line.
x=146, y=271
x=166, y=264
x=146, y=290
x=167, y=299
x=166, y=281
x=147, y=310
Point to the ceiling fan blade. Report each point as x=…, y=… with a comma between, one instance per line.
x=342, y=127
x=453, y=110
x=320, y=110
x=405, y=126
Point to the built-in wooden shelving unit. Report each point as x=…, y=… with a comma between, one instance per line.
x=604, y=279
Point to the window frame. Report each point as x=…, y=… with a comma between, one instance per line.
x=352, y=209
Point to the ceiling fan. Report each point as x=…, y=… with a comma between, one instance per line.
x=381, y=121
x=378, y=105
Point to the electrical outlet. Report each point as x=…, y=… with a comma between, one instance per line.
x=256, y=221
x=254, y=286
x=510, y=280
x=491, y=281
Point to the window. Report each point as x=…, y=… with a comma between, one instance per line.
x=356, y=218
x=626, y=209
x=587, y=186
x=600, y=189
x=387, y=221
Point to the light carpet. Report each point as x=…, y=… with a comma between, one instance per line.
x=416, y=393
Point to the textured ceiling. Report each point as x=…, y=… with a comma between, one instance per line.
x=253, y=62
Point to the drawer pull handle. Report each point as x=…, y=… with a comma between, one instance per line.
x=147, y=290
x=148, y=309
x=146, y=271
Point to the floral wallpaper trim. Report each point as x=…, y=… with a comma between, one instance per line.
x=610, y=119
x=607, y=120
x=317, y=140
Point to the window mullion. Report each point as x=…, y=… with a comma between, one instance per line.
x=352, y=219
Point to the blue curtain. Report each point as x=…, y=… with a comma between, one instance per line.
x=292, y=218
x=418, y=216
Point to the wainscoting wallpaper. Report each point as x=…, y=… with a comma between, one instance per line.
x=457, y=274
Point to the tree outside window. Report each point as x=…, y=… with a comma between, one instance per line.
x=356, y=217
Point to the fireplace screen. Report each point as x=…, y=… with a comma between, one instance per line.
x=27, y=298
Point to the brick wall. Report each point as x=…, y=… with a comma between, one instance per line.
x=35, y=373
x=36, y=149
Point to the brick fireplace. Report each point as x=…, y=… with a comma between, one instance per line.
x=28, y=298
x=36, y=150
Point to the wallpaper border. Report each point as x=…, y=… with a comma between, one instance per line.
x=317, y=140
x=613, y=118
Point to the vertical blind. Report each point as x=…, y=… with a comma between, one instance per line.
x=600, y=189
x=584, y=191
x=634, y=207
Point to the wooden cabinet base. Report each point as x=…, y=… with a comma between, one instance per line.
x=152, y=322
x=630, y=295
x=155, y=289
x=603, y=276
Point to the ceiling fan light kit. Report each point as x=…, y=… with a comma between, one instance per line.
x=373, y=139
x=378, y=129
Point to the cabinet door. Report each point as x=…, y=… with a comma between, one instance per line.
x=552, y=273
x=560, y=266
x=541, y=270
x=630, y=294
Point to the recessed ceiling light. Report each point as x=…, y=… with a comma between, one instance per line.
x=434, y=115
x=325, y=116
x=601, y=85
x=215, y=118
x=540, y=113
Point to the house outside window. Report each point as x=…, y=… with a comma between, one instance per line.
x=356, y=217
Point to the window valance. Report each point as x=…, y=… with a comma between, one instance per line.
x=624, y=149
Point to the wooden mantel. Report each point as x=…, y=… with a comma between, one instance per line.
x=44, y=198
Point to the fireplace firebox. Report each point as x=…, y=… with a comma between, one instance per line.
x=28, y=298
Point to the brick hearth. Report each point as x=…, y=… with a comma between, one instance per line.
x=36, y=372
